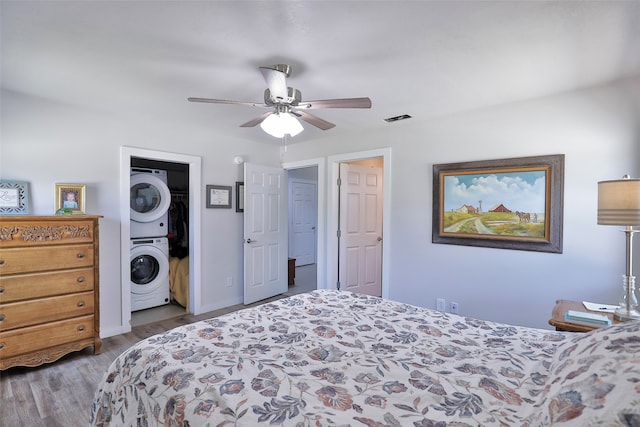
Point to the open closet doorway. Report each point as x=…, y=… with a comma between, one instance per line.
x=159, y=260
x=303, y=229
x=313, y=275
x=159, y=250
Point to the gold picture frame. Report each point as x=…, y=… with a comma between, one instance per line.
x=70, y=199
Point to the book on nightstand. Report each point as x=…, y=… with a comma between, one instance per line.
x=590, y=318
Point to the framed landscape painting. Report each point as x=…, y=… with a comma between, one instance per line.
x=514, y=203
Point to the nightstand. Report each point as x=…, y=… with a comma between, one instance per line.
x=562, y=306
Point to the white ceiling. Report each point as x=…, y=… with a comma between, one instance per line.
x=423, y=58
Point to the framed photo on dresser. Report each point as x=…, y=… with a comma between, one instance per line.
x=70, y=198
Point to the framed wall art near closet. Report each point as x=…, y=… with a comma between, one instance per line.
x=239, y=196
x=218, y=196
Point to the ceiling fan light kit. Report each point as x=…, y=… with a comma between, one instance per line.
x=287, y=105
x=279, y=124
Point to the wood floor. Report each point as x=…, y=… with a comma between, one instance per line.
x=60, y=393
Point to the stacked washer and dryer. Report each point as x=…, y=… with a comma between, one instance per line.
x=150, y=200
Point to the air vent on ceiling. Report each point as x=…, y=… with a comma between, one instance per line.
x=396, y=118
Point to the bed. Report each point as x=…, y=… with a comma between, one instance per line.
x=338, y=358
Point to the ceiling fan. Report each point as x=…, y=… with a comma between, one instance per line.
x=286, y=103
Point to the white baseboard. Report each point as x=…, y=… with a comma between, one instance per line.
x=218, y=305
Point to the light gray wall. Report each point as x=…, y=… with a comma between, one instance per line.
x=46, y=143
x=598, y=130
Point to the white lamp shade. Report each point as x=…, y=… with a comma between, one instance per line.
x=619, y=202
x=279, y=124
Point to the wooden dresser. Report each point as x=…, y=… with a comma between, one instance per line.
x=49, y=283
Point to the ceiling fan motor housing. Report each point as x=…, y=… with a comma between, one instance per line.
x=293, y=97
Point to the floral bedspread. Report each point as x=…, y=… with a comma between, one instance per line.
x=338, y=358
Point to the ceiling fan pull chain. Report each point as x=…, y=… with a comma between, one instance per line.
x=283, y=148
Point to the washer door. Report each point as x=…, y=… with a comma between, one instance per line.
x=149, y=269
x=149, y=197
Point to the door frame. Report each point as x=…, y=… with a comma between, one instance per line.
x=195, y=226
x=321, y=269
x=332, y=213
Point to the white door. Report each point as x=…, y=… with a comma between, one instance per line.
x=303, y=220
x=265, y=232
x=360, y=248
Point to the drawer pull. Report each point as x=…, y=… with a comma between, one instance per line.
x=1, y=317
x=81, y=328
x=81, y=304
x=1, y=290
x=80, y=255
x=1, y=262
x=1, y=345
x=81, y=279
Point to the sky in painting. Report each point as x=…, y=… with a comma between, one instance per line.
x=517, y=191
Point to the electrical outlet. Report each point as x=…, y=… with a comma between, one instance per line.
x=454, y=308
x=229, y=281
x=441, y=304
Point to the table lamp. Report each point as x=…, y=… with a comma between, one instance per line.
x=619, y=204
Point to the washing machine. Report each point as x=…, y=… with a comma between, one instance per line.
x=149, y=272
x=149, y=201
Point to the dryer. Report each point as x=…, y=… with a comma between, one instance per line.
x=149, y=262
x=149, y=203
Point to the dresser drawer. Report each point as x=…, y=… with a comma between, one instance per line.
x=25, y=231
x=38, y=285
x=20, y=341
x=27, y=260
x=34, y=312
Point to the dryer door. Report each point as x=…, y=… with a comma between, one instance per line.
x=150, y=198
x=149, y=269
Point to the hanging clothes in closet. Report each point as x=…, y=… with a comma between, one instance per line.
x=179, y=226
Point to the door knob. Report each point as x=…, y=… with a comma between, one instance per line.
x=379, y=239
x=250, y=241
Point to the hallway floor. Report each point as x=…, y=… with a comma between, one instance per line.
x=305, y=281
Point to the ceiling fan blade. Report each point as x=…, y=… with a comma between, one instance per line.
x=224, y=101
x=276, y=81
x=256, y=121
x=336, y=103
x=314, y=120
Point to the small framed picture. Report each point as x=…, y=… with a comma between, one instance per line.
x=239, y=196
x=14, y=198
x=218, y=196
x=70, y=199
